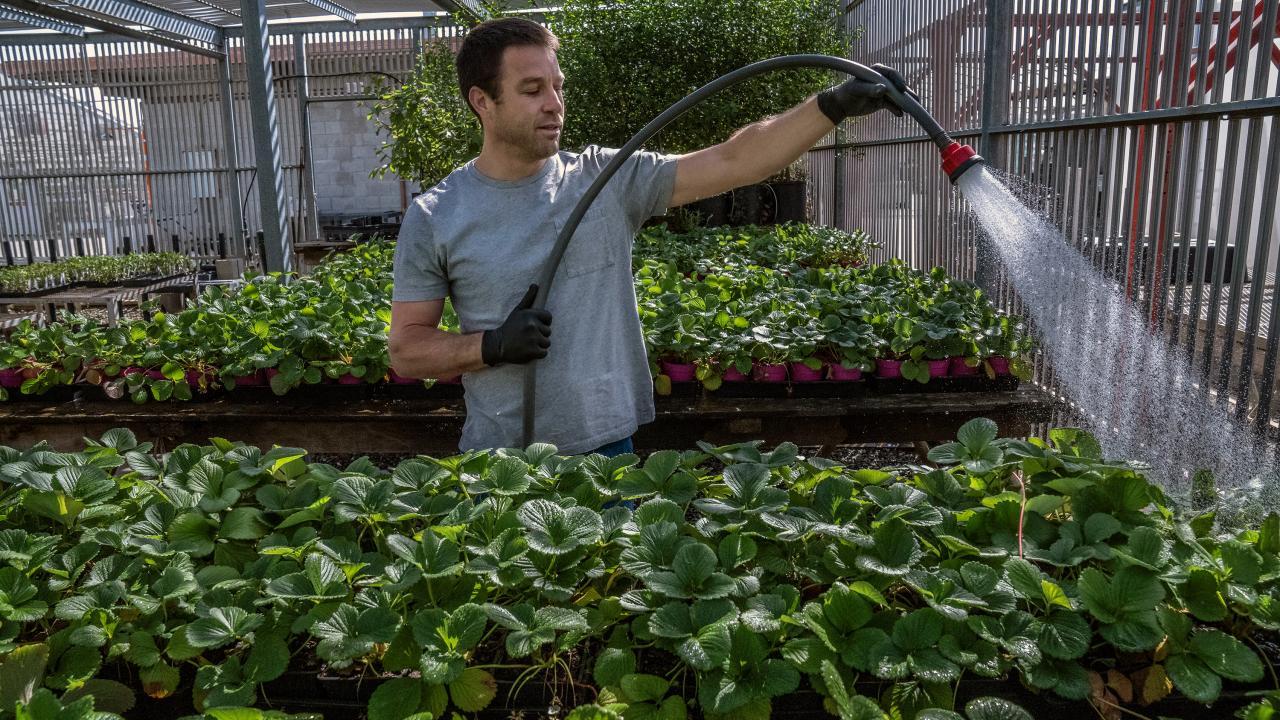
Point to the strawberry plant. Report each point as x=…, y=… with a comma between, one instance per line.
x=717, y=299
x=740, y=578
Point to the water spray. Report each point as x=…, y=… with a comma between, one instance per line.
x=956, y=160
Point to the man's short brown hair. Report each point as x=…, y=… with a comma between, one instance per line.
x=480, y=59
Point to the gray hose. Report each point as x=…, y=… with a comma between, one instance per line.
x=858, y=70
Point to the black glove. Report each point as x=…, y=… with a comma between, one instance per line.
x=860, y=97
x=524, y=336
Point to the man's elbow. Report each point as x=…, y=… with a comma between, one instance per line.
x=398, y=352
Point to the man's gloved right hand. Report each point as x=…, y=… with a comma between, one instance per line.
x=860, y=97
x=525, y=335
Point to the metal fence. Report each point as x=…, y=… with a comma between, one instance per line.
x=1146, y=129
x=108, y=143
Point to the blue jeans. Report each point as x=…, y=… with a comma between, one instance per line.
x=614, y=449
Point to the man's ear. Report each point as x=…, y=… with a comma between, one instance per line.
x=480, y=101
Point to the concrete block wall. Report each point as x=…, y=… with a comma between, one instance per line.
x=344, y=149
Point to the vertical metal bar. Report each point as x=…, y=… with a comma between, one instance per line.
x=1262, y=248
x=310, y=220
x=1262, y=254
x=230, y=154
x=1190, y=271
x=266, y=137
x=1245, y=204
x=995, y=114
x=1228, y=186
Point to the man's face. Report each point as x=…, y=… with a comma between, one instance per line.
x=530, y=112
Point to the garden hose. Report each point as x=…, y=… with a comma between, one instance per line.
x=956, y=159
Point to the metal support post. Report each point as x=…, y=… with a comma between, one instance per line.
x=230, y=154
x=995, y=115
x=837, y=179
x=310, y=218
x=266, y=137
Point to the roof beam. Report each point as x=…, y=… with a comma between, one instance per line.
x=112, y=26
x=464, y=7
x=219, y=8
x=137, y=12
x=40, y=21
x=333, y=8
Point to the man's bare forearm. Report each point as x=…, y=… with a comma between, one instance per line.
x=426, y=352
x=764, y=148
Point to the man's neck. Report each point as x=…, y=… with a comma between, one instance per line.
x=507, y=167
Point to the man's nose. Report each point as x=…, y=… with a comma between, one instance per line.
x=552, y=103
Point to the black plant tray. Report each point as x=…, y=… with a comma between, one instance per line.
x=146, y=280
x=753, y=390
x=898, y=386
x=42, y=292
x=57, y=393
x=347, y=699
x=443, y=391
x=343, y=698
x=831, y=389
x=692, y=388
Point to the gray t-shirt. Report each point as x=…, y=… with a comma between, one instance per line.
x=482, y=242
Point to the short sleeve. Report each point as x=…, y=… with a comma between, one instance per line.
x=643, y=184
x=420, y=273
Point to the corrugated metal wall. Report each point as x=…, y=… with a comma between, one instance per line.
x=103, y=139
x=1144, y=128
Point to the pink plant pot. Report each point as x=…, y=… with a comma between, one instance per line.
x=803, y=373
x=455, y=380
x=888, y=369
x=960, y=369
x=349, y=379
x=842, y=374
x=399, y=379
x=151, y=374
x=731, y=374
x=193, y=378
x=11, y=378
x=938, y=368
x=256, y=379
x=1000, y=364
x=270, y=373
x=769, y=373
x=678, y=372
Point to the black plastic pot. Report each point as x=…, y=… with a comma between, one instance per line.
x=713, y=210
x=791, y=201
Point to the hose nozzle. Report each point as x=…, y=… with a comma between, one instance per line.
x=957, y=158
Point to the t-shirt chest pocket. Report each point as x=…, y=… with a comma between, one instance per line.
x=593, y=247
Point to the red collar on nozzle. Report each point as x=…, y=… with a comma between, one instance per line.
x=957, y=158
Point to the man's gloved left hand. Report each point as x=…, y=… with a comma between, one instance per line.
x=860, y=97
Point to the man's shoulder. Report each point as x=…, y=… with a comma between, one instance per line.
x=434, y=200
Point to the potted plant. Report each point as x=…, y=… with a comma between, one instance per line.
x=769, y=353
x=850, y=351
x=804, y=363
x=11, y=366
x=1004, y=344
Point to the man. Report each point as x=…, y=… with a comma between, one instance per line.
x=481, y=235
